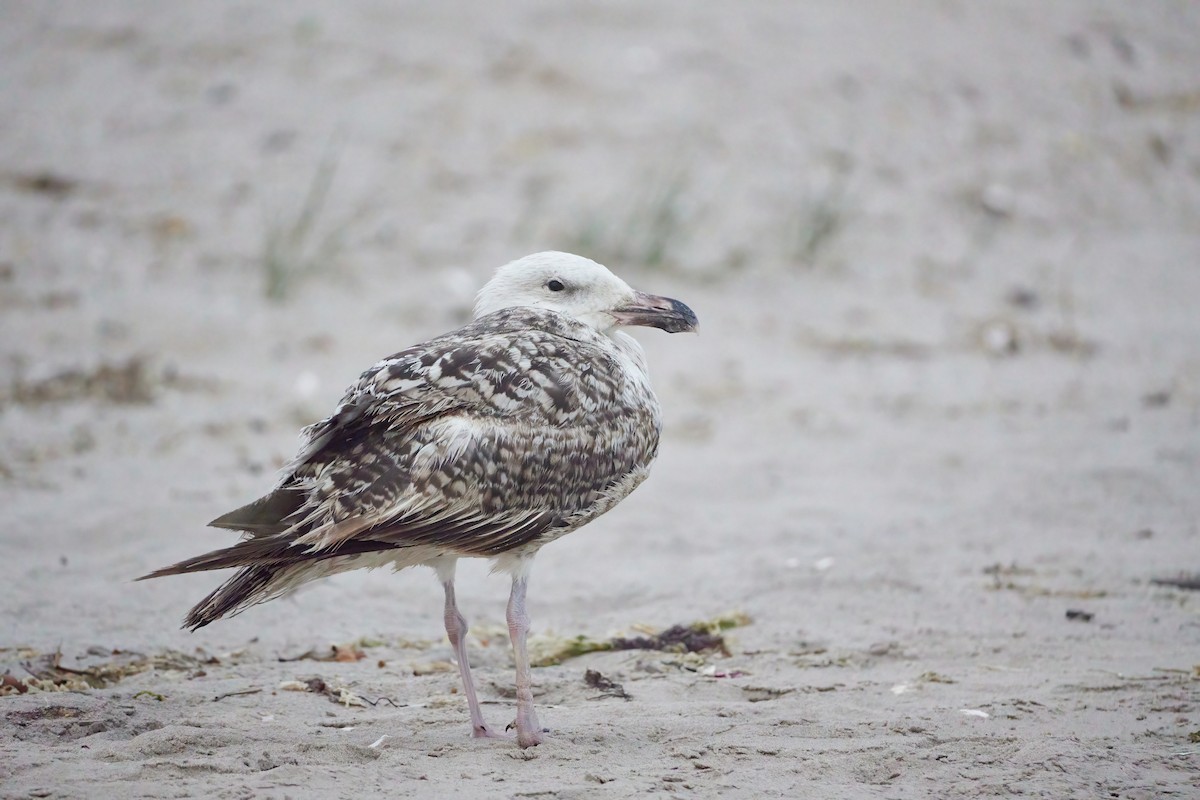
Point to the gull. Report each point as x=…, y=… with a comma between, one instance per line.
x=488, y=442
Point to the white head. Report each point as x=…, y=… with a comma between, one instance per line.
x=580, y=288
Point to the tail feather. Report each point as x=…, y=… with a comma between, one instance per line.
x=269, y=568
x=248, y=587
x=259, y=582
x=260, y=561
x=272, y=553
x=252, y=552
x=271, y=563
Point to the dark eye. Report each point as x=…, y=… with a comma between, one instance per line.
x=555, y=285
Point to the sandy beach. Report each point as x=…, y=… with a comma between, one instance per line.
x=934, y=456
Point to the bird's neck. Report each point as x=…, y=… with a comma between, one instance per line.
x=631, y=348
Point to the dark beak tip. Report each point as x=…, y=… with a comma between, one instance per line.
x=689, y=322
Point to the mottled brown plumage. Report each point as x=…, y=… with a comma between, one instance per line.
x=489, y=441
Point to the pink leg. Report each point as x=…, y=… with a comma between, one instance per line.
x=456, y=630
x=529, y=732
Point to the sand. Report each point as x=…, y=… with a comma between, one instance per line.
x=937, y=440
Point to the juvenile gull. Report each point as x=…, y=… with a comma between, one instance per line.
x=488, y=442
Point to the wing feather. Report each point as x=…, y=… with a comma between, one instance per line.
x=478, y=441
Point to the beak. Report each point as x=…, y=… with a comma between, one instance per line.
x=653, y=311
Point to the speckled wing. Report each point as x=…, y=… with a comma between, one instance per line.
x=522, y=424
